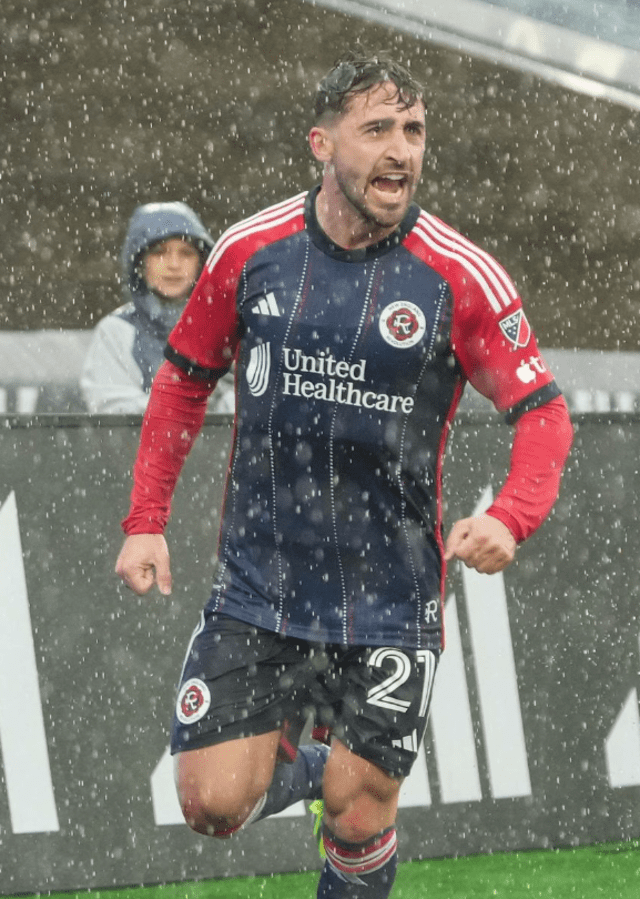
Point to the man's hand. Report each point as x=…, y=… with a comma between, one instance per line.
x=143, y=560
x=482, y=542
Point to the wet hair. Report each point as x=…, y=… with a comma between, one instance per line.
x=356, y=72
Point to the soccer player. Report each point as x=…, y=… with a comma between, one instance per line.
x=355, y=320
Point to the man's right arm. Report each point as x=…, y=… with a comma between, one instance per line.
x=171, y=423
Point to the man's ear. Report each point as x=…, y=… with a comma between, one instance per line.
x=321, y=144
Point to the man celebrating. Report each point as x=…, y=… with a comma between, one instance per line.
x=355, y=320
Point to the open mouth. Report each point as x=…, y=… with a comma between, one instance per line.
x=390, y=183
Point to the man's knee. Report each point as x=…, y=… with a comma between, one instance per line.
x=216, y=809
x=211, y=810
x=216, y=800
x=360, y=798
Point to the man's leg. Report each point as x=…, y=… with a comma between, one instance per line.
x=228, y=734
x=223, y=787
x=301, y=779
x=219, y=786
x=383, y=696
x=298, y=773
x=359, y=835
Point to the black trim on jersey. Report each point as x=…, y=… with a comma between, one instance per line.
x=538, y=398
x=361, y=254
x=191, y=368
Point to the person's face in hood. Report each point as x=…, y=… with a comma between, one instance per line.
x=170, y=268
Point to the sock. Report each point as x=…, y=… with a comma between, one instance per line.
x=301, y=779
x=359, y=870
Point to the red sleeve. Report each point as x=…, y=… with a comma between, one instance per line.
x=498, y=351
x=490, y=335
x=540, y=449
x=171, y=423
x=205, y=339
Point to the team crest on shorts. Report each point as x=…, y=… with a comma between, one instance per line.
x=402, y=324
x=516, y=329
x=193, y=702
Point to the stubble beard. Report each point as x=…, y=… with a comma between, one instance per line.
x=376, y=220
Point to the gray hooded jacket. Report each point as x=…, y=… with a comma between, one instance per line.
x=128, y=344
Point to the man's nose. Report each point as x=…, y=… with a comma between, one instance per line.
x=398, y=146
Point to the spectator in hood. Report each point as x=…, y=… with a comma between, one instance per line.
x=162, y=257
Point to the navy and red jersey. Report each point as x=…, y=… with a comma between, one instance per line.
x=349, y=368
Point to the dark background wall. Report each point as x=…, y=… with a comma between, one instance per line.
x=104, y=664
x=107, y=105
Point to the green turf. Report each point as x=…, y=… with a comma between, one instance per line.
x=611, y=871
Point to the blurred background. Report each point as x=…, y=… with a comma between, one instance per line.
x=533, y=120
x=533, y=129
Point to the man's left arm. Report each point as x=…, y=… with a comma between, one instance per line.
x=541, y=445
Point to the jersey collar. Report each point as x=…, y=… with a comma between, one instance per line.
x=320, y=239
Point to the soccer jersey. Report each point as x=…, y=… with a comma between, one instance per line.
x=350, y=365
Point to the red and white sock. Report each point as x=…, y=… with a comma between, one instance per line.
x=357, y=870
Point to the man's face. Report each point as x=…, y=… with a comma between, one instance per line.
x=377, y=148
x=171, y=267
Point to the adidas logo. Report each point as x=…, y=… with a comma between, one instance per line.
x=267, y=306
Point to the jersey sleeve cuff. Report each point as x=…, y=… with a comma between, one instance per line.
x=144, y=523
x=538, y=398
x=508, y=521
x=192, y=368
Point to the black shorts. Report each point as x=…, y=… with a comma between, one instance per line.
x=240, y=681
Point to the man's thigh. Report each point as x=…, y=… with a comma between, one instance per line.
x=219, y=785
x=377, y=703
x=238, y=681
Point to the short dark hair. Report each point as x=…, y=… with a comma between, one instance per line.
x=357, y=72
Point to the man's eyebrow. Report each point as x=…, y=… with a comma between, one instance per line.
x=377, y=120
x=390, y=122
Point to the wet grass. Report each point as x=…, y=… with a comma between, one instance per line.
x=589, y=872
